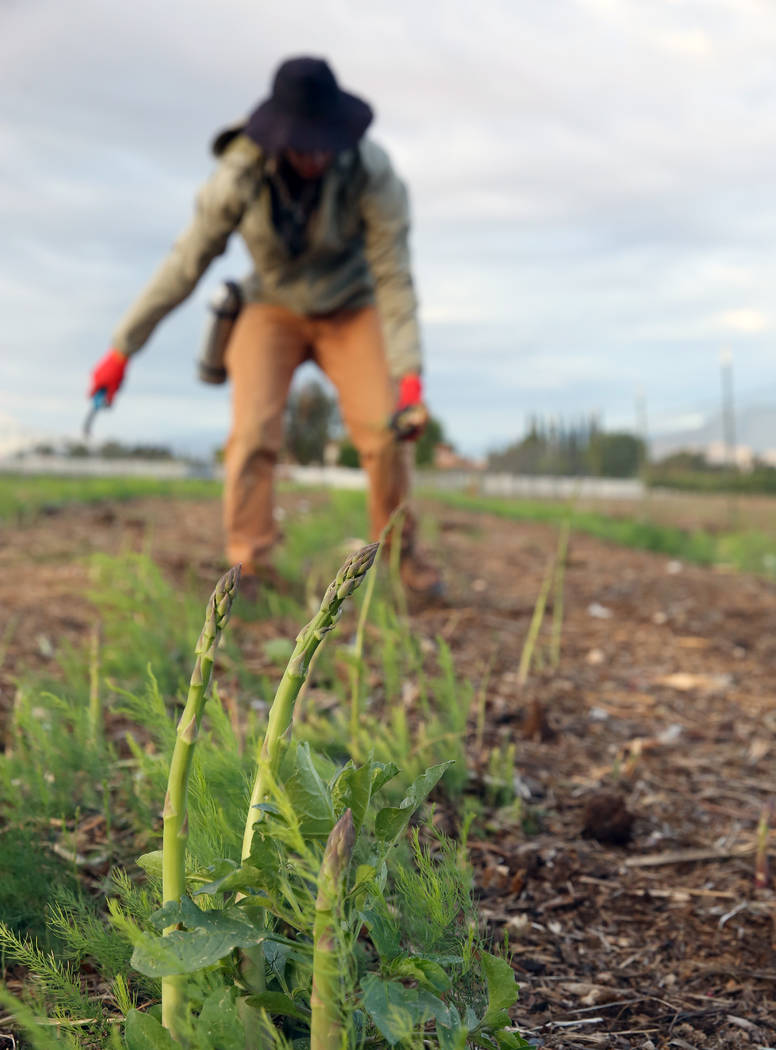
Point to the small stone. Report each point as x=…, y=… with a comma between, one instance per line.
x=606, y=818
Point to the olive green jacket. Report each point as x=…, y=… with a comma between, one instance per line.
x=357, y=251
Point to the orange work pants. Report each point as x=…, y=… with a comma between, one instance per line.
x=267, y=346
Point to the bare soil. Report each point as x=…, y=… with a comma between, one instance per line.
x=627, y=881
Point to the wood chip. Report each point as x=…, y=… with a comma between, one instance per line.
x=688, y=856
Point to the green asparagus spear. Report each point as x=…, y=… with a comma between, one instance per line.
x=281, y=713
x=174, y=813
x=309, y=638
x=326, y=1031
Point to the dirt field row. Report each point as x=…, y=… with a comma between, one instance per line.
x=627, y=883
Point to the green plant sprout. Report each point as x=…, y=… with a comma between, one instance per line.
x=174, y=813
x=357, y=654
x=347, y=580
x=553, y=580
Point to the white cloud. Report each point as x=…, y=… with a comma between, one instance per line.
x=591, y=186
x=743, y=320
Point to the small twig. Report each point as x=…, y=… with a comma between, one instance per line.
x=685, y=856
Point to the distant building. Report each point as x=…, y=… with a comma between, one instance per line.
x=446, y=458
x=718, y=454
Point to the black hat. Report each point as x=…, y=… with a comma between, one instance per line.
x=308, y=111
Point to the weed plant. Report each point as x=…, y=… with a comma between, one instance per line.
x=348, y=958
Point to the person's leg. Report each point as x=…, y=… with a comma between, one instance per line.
x=267, y=345
x=349, y=348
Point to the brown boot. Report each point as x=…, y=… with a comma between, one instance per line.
x=421, y=579
x=256, y=580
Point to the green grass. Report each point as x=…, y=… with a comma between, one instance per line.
x=22, y=496
x=745, y=550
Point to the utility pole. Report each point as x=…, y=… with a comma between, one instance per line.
x=729, y=431
x=728, y=413
x=641, y=426
x=643, y=433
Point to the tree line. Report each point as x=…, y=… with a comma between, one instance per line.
x=553, y=446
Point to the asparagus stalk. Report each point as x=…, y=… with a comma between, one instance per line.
x=325, y=1002
x=557, y=605
x=174, y=814
x=309, y=638
x=526, y=657
x=281, y=714
x=357, y=671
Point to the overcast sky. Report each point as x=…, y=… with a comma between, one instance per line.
x=593, y=186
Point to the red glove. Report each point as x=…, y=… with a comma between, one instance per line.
x=411, y=415
x=410, y=391
x=108, y=375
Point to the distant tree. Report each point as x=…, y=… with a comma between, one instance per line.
x=312, y=421
x=77, y=450
x=348, y=454
x=116, y=450
x=616, y=455
x=433, y=435
x=685, y=460
x=556, y=447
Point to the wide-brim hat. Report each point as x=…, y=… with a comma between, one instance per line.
x=308, y=111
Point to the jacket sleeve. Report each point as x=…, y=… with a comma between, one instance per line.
x=220, y=205
x=385, y=212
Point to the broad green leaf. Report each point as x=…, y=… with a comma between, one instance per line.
x=383, y=772
x=208, y=937
x=392, y=820
x=309, y=796
x=276, y=957
x=363, y=879
x=470, y=1018
x=151, y=863
x=384, y=1001
x=397, y=1010
x=245, y=878
x=454, y=1035
x=509, y=1040
x=143, y=1032
x=352, y=790
x=279, y=1004
x=426, y=972
x=502, y=989
x=383, y=931
x=219, y=1026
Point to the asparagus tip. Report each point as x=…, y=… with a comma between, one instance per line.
x=353, y=570
x=336, y=857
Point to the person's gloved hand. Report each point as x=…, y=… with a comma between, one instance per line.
x=411, y=415
x=108, y=375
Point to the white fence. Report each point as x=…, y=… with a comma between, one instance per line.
x=475, y=482
x=526, y=486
